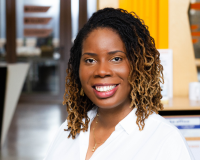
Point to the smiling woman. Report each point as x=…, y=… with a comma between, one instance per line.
x=113, y=95
x=103, y=66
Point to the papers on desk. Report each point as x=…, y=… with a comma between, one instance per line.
x=166, y=59
x=189, y=126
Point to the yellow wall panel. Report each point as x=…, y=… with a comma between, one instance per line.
x=130, y=5
x=135, y=6
x=141, y=9
x=155, y=16
x=126, y=4
x=154, y=21
x=123, y=4
x=147, y=19
x=163, y=24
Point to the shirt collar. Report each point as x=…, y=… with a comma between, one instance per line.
x=92, y=113
x=129, y=122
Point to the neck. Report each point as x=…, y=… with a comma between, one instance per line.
x=109, y=118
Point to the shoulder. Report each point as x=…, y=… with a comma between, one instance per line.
x=62, y=129
x=169, y=135
x=60, y=143
x=158, y=121
x=61, y=133
x=163, y=126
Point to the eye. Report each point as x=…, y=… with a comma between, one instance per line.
x=116, y=59
x=90, y=60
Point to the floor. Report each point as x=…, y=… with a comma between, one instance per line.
x=31, y=131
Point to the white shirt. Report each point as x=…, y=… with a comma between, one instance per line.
x=159, y=140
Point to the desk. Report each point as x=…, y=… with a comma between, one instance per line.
x=181, y=106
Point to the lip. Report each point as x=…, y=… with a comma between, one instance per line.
x=104, y=84
x=105, y=94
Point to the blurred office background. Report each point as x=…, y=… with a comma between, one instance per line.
x=43, y=39
x=40, y=33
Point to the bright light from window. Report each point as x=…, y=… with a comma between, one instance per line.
x=74, y=12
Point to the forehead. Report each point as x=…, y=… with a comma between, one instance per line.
x=102, y=40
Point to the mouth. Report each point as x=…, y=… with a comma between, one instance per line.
x=105, y=91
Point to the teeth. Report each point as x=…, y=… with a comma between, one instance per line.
x=104, y=88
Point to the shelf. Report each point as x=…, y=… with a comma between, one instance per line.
x=197, y=62
x=181, y=104
x=31, y=58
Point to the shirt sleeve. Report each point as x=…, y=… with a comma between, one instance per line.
x=175, y=148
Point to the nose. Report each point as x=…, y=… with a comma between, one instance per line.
x=103, y=70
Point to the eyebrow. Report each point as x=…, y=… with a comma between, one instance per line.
x=110, y=53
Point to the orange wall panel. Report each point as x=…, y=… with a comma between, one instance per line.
x=155, y=16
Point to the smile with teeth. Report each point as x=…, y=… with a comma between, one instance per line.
x=105, y=88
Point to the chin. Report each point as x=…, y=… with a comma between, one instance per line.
x=107, y=103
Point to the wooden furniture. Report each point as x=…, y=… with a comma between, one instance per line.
x=181, y=106
x=105, y=3
x=13, y=82
x=181, y=103
x=82, y=13
x=197, y=62
x=11, y=31
x=180, y=41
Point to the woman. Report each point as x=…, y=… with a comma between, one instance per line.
x=113, y=95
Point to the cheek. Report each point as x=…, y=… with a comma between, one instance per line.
x=84, y=74
x=82, y=77
x=123, y=72
x=80, y=73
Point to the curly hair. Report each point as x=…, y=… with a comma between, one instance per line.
x=145, y=75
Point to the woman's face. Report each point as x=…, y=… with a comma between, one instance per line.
x=104, y=69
